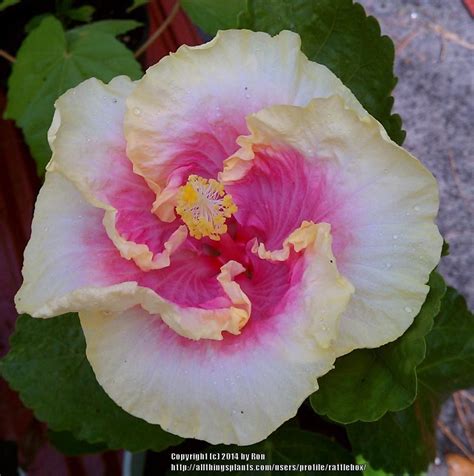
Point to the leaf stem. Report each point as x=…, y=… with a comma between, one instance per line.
x=159, y=31
x=7, y=56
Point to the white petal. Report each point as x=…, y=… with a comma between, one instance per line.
x=382, y=212
x=188, y=110
x=237, y=390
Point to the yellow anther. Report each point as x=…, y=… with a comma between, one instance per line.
x=204, y=206
x=189, y=195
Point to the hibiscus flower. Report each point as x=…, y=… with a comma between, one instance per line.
x=226, y=227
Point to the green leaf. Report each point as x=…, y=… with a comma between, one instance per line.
x=291, y=447
x=136, y=4
x=49, y=62
x=108, y=27
x=383, y=378
x=338, y=34
x=369, y=471
x=63, y=5
x=8, y=3
x=449, y=362
x=211, y=16
x=406, y=440
x=69, y=445
x=35, y=21
x=48, y=367
x=400, y=441
x=82, y=14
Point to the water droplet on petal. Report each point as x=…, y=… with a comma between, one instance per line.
x=388, y=265
x=395, y=237
x=137, y=111
x=416, y=208
x=408, y=309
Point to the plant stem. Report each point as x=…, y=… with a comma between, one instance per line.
x=7, y=56
x=159, y=31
